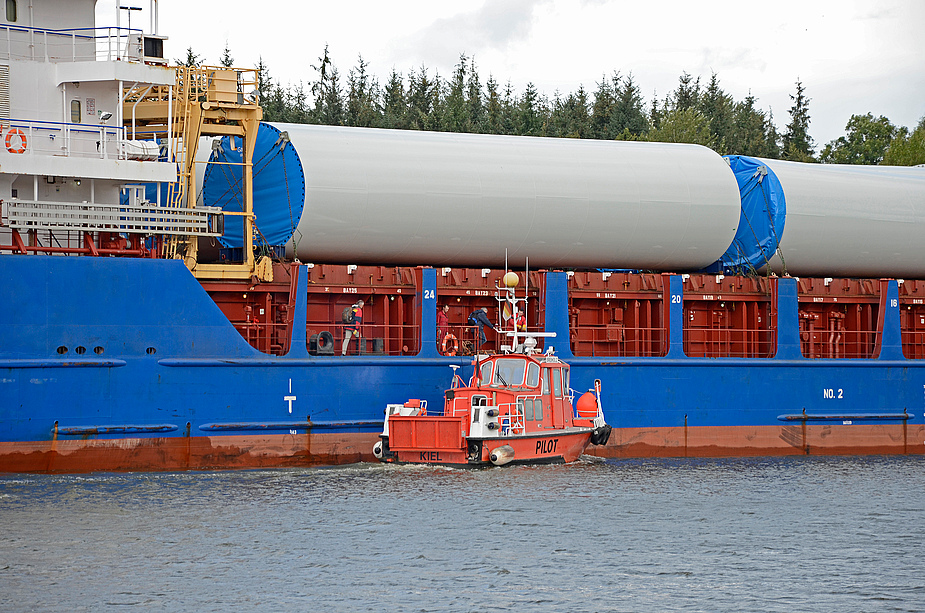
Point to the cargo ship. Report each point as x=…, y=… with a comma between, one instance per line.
x=174, y=272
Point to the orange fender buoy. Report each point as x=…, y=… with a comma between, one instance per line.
x=587, y=406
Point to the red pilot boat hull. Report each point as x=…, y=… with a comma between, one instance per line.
x=438, y=440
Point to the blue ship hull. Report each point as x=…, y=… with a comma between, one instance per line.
x=166, y=382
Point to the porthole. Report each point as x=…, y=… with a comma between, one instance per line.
x=150, y=350
x=98, y=350
x=62, y=350
x=80, y=350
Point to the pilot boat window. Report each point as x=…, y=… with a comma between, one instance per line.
x=532, y=408
x=509, y=372
x=533, y=374
x=485, y=372
x=546, y=381
x=557, y=382
x=525, y=405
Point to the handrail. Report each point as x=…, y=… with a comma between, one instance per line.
x=78, y=44
x=56, y=138
x=512, y=421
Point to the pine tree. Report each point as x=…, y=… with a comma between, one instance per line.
x=264, y=86
x=494, y=110
x=749, y=133
x=569, y=116
x=334, y=111
x=602, y=107
x=530, y=114
x=421, y=89
x=717, y=106
x=362, y=97
x=227, y=61
x=797, y=144
x=509, y=110
x=298, y=101
x=474, y=100
x=628, y=121
x=655, y=114
x=687, y=94
x=394, y=105
x=773, y=138
x=191, y=60
x=320, y=86
x=455, y=109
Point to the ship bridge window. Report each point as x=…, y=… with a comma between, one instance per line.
x=533, y=374
x=557, y=382
x=11, y=10
x=509, y=371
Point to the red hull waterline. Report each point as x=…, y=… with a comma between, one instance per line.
x=286, y=450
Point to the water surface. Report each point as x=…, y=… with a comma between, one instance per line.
x=782, y=534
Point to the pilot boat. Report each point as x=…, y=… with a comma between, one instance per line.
x=517, y=408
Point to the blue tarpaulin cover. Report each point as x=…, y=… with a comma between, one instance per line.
x=761, y=223
x=279, y=186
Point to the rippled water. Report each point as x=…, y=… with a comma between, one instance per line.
x=791, y=534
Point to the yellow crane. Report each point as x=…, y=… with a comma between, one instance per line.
x=204, y=101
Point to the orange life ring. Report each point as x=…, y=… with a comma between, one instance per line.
x=9, y=141
x=451, y=350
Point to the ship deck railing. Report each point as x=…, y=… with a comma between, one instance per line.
x=375, y=339
x=834, y=344
x=83, y=140
x=70, y=45
x=618, y=339
x=729, y=342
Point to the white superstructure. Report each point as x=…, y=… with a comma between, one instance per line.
x=65, y=144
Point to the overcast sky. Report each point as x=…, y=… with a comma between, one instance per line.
x=853, y=57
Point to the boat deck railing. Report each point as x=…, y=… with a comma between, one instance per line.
x=71, y=45
x=511, y=415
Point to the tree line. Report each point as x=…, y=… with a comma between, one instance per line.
x=694, y=112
